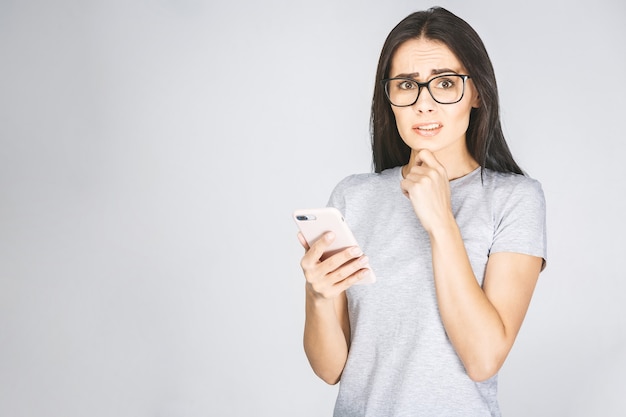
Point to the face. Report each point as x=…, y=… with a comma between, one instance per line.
x=427, y=124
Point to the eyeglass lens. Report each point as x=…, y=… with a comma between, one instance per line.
x=444, y=89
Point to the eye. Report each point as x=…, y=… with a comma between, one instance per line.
x=445, y=83
x=406, y=85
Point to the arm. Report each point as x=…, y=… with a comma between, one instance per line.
x=482, y=323
x=327, y=336
x=327, y=328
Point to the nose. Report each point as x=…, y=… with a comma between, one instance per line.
x=425, y=102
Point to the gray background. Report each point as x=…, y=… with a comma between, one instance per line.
x=151, y=155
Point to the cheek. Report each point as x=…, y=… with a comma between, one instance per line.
x=460, y=114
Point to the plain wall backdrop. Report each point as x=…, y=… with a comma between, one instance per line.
x=152, y=153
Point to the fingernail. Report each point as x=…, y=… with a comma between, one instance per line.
x=356, y=251
x=364, y=261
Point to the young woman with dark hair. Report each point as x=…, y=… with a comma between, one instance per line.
x=452, y=228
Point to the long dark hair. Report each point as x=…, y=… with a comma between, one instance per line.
x=485, y=139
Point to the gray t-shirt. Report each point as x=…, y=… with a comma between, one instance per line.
x=401, y=362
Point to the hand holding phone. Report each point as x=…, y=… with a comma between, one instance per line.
x=313, y=223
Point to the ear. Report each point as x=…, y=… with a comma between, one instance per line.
x=476, y=101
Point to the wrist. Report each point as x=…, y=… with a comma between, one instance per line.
x=446, y=234
x=317, y=301
x=444, y=225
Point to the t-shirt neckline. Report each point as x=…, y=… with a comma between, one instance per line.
x=470, y=174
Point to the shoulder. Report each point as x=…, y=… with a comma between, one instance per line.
x=516, y=199
x=366, y=181
x=519, y=214
x=505, y=184
x=359, y=189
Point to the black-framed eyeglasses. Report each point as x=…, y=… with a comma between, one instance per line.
x=444, y=89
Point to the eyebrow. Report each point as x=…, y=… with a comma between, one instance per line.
x=415, y=75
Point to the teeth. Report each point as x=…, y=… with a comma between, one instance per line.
x=429, y=127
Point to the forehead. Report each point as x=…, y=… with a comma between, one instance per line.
x=423, y=57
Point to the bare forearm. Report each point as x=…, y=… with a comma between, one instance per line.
x=470, y=319
x=325, y=343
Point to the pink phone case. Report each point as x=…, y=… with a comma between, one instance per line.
x=313, y=223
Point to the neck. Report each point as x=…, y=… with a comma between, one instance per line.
x=456, y=166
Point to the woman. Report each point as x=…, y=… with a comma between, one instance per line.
x=452, y=228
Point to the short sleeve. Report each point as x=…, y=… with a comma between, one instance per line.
x=520, y=221
x=337, y=197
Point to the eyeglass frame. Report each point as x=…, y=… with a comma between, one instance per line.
x=420, y=85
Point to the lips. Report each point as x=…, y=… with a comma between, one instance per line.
x=427, y=129
x=430, y=126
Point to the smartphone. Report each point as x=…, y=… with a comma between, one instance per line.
x=313, y=223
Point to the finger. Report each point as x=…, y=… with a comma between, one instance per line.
x=316, y=250
x=350, y=270
x=414, y=176
x=427, y=157
x=417, y=171
x=303, y=241
x=404, y=186
x=353, y=279
x=342, y=258
x=333, y=289
x=336, y=267
x=430, y=161
x=356, y=277
x=324, y=276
